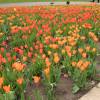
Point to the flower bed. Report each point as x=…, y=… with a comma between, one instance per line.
x=39, y=44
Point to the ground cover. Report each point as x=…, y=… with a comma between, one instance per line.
x=42, y=45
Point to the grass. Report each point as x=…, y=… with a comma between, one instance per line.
x=8, y=1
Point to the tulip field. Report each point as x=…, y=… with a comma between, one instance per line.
x=41, y=44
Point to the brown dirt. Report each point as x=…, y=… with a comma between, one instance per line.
x=63, y=90
x=98, y=61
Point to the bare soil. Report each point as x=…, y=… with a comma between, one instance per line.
x=63, y=90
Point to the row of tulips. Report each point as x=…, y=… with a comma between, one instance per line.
x=39, y=44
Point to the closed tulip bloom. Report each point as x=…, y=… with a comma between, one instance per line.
x=6, y=88
x=36, y=79
x=20, y=81
x=84, y=55
x=1, y=81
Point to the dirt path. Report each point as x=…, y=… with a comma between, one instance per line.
x=98, y=60
x=40, y=3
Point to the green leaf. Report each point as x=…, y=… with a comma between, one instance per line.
x=75, y=89
x=8, y=96
x=37, y=95
x=57, y=74
x=22, y=96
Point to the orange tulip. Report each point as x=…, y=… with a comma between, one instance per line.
x=33, y=60
x=82, y=68
x=15, y=9
x=74, y=52
x=1, y=21
x=73, y=43
x=84, y=55
x=9, y=59
x=69, y=54
x=87, y=48
x=74, y=63
x=6, y=88
x=24, y=58
x=1, y=81
x=94, y=49
x=1, y=34
x=49, y=52
x=87, y=25
x=84, y=65
x=36, y=79
x=54, y=46
x=95, y=39
x=80, y=62
x=3, y=60
x=43, y=56
x=56, y=58
x=63, y=51
x=91, y=34
x=47, y=72
x=20, y=81
x=68, y=48
x=80, y=50
x=18, y=66
x=82, y=37
x=48, y=63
